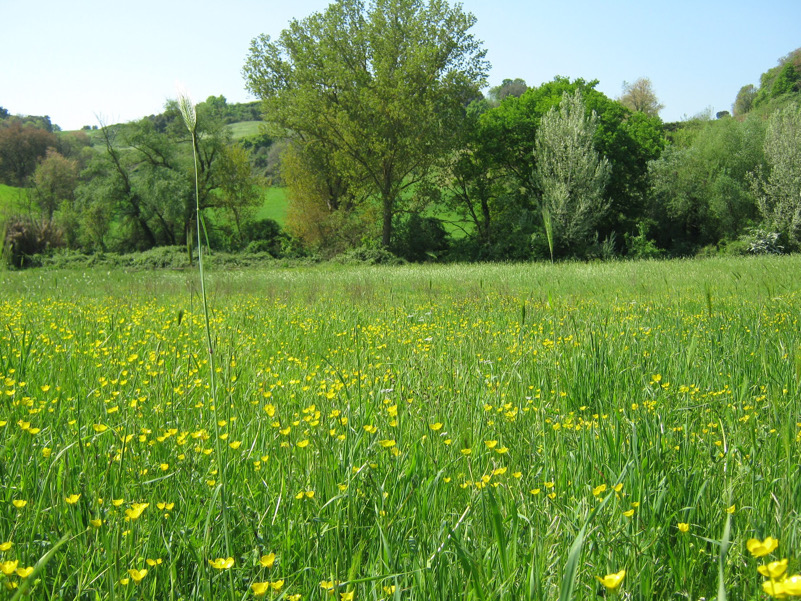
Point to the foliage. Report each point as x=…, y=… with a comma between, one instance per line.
x=628, y=141
x=21, y=147
x=761, y=242
x=508, y=87
x=239, y=190
x=419, y=239
x=144, y=181
x=327, y=211
x=700, y=186
x=780, y=81
x=640, y=246
x=640, y=97
x=54, y=182
x=366, y=255
x=24, y=237
x=745, y=100
x=570, y=173
x=370, y=87
x=778, y=186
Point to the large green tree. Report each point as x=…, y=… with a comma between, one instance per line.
x=54, y=182
x=700, y=186
x=381, y=86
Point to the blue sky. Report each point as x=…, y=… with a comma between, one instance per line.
x=80, y=60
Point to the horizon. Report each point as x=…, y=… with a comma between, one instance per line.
x=696, y=56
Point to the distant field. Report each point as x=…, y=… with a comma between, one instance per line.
x=275, y=205
x=9, y=196
x=244, y=129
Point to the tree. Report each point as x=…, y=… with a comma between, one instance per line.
x=327, y=211
x=570, y=173
x=744, y=100
x=240, y=194
x=21, y=148
x=509, y=87
x=700, y=188
x=628, y=140
x=640, y=97
x=145, y=179
x=778, y=189
x=381, y=86
x=54, y=182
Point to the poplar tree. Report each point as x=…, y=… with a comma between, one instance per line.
x=570, y=173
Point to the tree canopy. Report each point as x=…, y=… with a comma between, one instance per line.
x=640, y=97
x=380, y=87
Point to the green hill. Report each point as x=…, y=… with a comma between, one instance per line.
x=274, y=205
x=11, y=197
x=243, y=129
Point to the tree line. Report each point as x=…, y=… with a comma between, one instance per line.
x=377, y=127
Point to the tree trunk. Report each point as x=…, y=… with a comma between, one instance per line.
x=388, y=204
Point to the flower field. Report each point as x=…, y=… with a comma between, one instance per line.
x=453, y=432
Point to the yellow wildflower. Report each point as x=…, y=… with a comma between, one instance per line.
x=221, y=563
x=774, y=570
x=137, y=575
x=260, y=588
x=8, y=567
x=267, y=561
x=24, y=572
x=759, y=548
x=612, y=581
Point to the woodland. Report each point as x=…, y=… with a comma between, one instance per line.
x=377, y=138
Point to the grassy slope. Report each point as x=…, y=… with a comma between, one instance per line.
x=244, y=129
x=275, y=205
x=10, y=197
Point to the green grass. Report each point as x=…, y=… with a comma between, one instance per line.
x=11, y=197
x=454, y=432
x=243, y=129
x=275, y=205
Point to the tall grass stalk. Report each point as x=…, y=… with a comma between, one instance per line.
x=189, y=114
x=548, y=222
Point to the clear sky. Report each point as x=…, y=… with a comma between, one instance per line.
x=119, y=61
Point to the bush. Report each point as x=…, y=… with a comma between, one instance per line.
x=368, y=256
x=263, y=235
x=25, y=237
x=640, y=247
x=418, y=239
x=762, y=242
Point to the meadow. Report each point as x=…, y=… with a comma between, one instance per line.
x=499, y=432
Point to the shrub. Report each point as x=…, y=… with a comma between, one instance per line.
x=368, y=256
x=640, y=247
x=25, y=237
x=762, y=242
x=418, y=239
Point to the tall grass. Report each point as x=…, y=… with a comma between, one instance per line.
x=401, y=433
